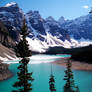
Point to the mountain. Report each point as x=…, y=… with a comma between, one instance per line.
x=41, y=28
x=11, y=15
x=79, y=28
x=45, y=33
x=61, y=20
x=6, y=54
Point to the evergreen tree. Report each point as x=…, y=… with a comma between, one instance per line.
x=22, y=51
x=70, y=85
x=52, y=82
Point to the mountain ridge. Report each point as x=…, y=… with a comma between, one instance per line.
x=45, y=32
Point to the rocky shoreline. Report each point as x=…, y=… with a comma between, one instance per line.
x=76, y=65
x=4, y=72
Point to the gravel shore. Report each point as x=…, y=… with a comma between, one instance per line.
x=77, y=65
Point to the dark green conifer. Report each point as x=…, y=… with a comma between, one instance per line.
x=52, y=82
x=69, y=85
x=22, y=51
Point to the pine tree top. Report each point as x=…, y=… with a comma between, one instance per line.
x=22, y=48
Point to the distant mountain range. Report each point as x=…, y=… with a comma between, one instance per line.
x=47, y=32
x=79, y=28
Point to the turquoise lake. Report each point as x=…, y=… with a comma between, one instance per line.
x=41, y=73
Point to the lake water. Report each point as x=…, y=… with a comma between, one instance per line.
x=41, y=72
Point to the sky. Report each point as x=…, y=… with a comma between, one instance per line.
x=70, y=9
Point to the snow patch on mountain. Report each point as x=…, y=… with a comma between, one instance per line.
x=10, y=4
x=80, y=43
x=37, y=45
x=83, y=40
x=42, y=46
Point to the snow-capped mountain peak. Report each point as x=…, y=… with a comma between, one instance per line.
x=11, y=4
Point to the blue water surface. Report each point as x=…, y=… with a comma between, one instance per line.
x=41, y=74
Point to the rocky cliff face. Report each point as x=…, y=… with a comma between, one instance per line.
x=4, y=72
x=5, y=38
x=12, y=16
x=40, y=28
x=5, y=55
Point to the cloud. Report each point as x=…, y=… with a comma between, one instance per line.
x=85, y=6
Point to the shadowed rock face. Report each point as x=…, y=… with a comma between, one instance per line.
x=80, y=27
x=36, y=21
x=5, y=38
x=4, y=72
x=12, y=18
x=44, y=26
x=4, y=53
